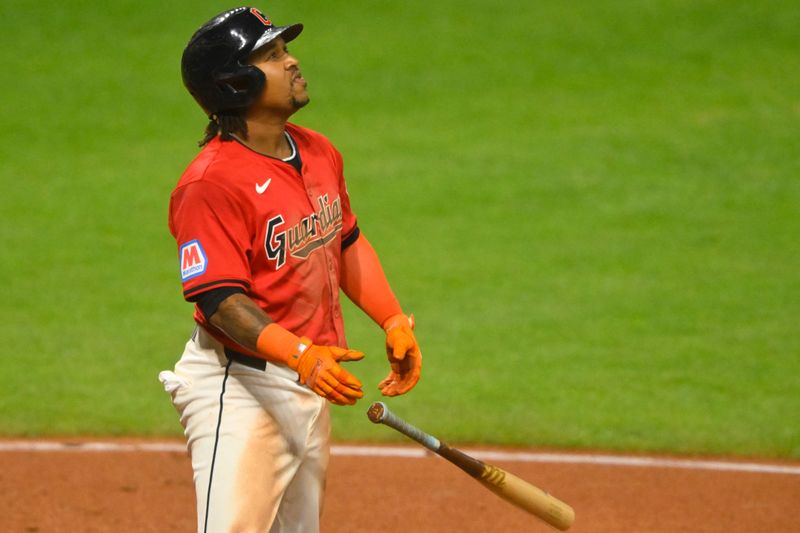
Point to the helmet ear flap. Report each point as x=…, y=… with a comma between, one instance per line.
x=239, y=86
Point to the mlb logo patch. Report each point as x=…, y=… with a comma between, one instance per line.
x=193, y=260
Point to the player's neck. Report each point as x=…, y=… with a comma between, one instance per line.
x=267, y=137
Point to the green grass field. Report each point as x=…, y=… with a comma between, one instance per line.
x=593, y=209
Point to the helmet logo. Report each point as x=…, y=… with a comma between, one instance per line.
x=264, y=20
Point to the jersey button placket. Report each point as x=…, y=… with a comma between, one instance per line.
x=333, y=284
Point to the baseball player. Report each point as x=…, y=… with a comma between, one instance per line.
x=266, y=239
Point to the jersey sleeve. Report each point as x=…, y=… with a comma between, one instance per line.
x=349, y=223
x=212, y=237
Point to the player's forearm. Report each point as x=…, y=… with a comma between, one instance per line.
x=241, y=319
x=364, y=282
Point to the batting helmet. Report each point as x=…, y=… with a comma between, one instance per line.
x=212, y=64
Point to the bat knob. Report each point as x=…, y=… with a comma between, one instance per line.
x=376, y=411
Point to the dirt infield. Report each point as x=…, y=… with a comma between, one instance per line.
x=121, y=491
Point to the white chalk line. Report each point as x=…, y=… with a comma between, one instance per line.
x=418, y=453
x=567, y=458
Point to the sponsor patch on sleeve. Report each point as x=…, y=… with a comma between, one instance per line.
x=193, y=260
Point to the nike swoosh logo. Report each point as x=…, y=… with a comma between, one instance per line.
x=263, y=187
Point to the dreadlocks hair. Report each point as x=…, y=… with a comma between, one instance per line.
x=225, y=124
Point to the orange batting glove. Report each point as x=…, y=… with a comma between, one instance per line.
x=317, y=366
x=319, y=370
x=405, y=357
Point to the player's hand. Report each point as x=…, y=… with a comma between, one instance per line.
x=319, y=370
x=405, y=357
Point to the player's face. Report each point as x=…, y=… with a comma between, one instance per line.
x=285, y=91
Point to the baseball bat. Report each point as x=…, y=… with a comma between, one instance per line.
x=506, y=485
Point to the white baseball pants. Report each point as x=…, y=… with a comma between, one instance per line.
x=258, y=441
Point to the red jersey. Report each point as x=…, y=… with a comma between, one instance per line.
x=247, y=220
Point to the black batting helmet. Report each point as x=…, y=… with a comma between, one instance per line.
x=212, y=64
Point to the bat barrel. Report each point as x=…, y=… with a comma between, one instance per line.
x=528, y=497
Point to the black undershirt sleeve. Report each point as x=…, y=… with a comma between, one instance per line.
x=208, y=302
x=350, y=239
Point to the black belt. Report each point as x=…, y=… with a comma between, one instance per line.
x=246, y=360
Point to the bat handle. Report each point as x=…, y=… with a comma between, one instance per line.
x=379, y=413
